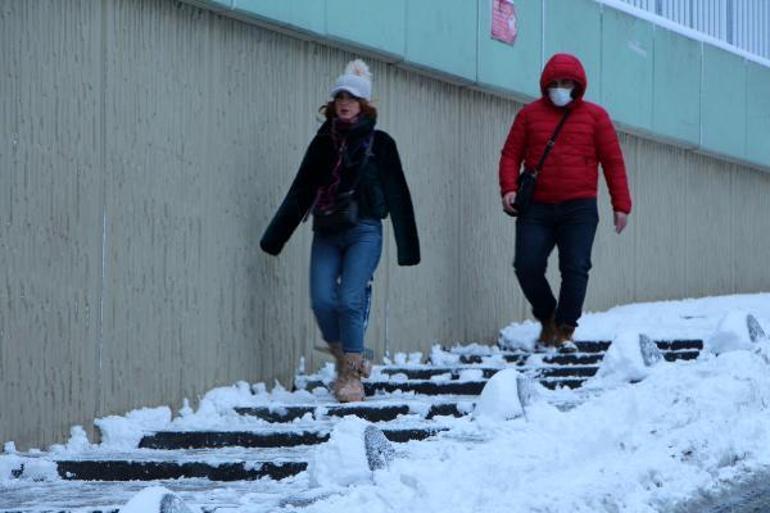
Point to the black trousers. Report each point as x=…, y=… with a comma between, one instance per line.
x=569, y=226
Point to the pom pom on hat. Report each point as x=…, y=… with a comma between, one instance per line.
x=356, y=80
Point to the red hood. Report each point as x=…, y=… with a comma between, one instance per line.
x=564, y=65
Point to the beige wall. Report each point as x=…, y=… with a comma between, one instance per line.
x=144, y=145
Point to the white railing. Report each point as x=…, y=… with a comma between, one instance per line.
x=744, y=24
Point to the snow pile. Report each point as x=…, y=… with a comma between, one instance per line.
x=78, y=442
x=499, y=400
x=686, y=429
x=15, y=467
x=216, y=410
x=441, y=358
x=342, y=461
x=125, y=433
x=623, y=362
x=663, y=320
x=732, y=333
x=155, y=499
x=407, y=359
x=519, y=336
x=470, y=375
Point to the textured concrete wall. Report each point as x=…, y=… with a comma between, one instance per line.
x=144, y=146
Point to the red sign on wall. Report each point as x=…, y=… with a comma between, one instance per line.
x=505, y=22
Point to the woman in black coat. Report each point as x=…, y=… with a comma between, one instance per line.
x=350, y=179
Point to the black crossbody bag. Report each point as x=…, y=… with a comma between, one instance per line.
x=528, y=178
x=344, y=212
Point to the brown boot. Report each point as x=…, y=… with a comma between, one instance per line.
x=563, y=338
x=547, y=332
x=336, y=351
x=348, y=387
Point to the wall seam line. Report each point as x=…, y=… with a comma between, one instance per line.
x=103, y=207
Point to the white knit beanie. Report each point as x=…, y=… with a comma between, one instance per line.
x=357, y=80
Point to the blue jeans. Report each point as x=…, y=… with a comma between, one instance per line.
x=341, y=266
x=570, y=226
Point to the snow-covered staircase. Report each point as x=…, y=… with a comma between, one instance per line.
x=272, y=444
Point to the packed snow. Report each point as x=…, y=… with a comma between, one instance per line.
x=652, y=435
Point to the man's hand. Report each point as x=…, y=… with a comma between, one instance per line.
x=508, y=200
x=621, y=220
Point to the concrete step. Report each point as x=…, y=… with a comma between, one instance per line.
x=370, y=412
x=589, y=352
x=426, y=372
x=440, y=388
x=548, y=358
x=172, y=440
x=123, y=470
x=672, y=356
x=428, y=387
x=274, y=453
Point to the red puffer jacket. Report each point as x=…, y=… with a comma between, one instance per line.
x=586, y=139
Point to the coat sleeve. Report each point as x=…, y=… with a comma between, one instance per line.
x=611, y=158
x=399, y=203
x=513, y=154
x=295, y=205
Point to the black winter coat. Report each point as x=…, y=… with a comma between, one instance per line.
x=381, y=189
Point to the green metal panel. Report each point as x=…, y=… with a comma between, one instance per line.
x=647, y=77
x=723, y=102
x=758, y=115
x=626, y=68
x=574, y=26
x=676, y=87
x=442, y=36
x=514, y=68
x=377, y=24
x=307, y=15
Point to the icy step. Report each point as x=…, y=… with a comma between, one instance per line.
x=422, y=371
x=66, y=496
x=671, y=350
x=426, y=372
x=62, y=510
x=680, y=345
x=371, y=412
x=521, y=358
x=440, y=388
x=217, y=439
x=584, y=346
x=267, y=439
x=128, y=470
x=672, y=356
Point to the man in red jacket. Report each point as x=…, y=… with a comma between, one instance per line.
x=563, y=212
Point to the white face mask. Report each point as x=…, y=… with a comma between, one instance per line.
x=560, y=96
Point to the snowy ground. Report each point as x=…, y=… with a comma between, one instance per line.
x=683, y=430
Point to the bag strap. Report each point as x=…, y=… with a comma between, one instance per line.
x=367, y=154
x=551, y=142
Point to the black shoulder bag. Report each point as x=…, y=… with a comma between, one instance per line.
x=528, y=178
x=344, y=212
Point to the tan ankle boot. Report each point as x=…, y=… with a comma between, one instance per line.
x=335, y=349
x=348, y=387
